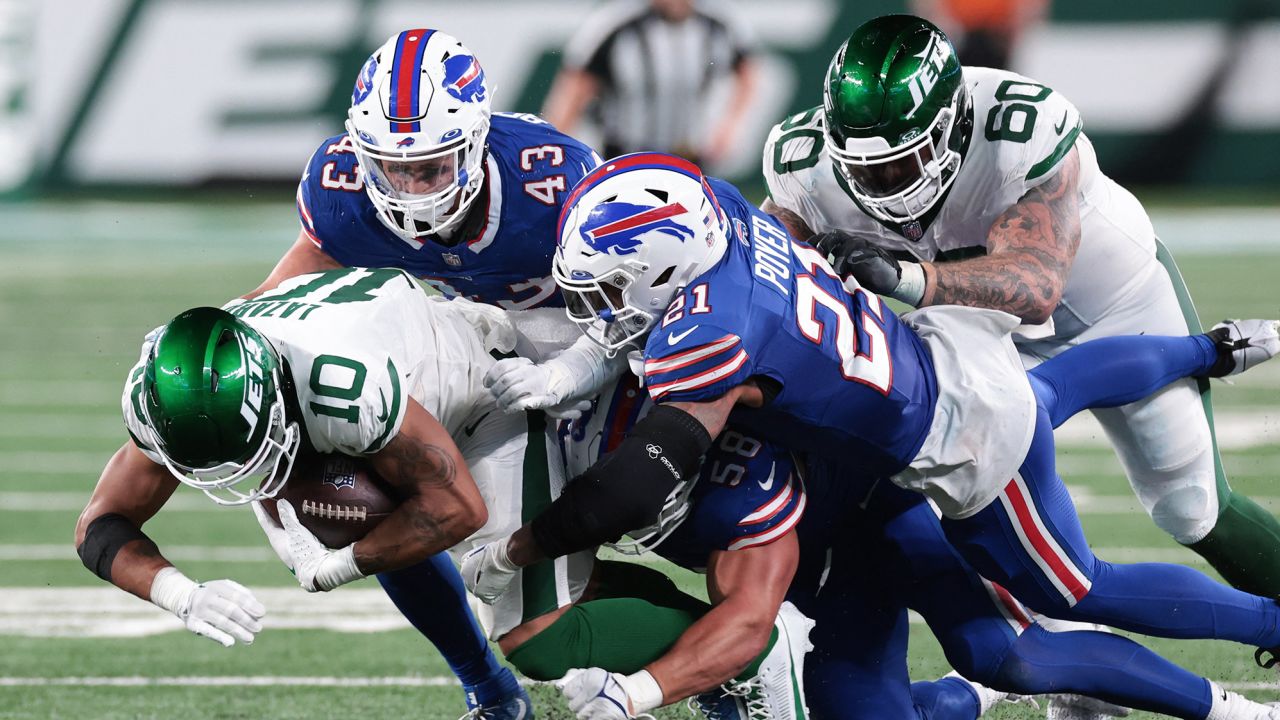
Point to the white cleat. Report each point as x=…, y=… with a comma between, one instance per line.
x=1228, y=705
x=777, y=690
x=1243, y=344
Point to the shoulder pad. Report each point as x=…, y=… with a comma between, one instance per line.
x=691, y=355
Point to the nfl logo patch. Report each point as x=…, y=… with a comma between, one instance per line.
x=912, y=230
x=340, y=473
x=451, y=259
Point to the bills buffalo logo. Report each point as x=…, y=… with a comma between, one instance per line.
x=616, y=227
x=364, y=81
x=340, y=473
x=464, y=78
x=740, y=229
x=405, y=142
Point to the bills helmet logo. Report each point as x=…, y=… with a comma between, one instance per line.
x=364, y=81
x=616, y=227
x=464, y=78
x=340, y=473
x=405, y=142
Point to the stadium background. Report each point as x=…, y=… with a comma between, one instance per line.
x=150, y=153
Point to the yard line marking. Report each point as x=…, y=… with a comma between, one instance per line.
x=235, y=681
x=108, y=612
x=190, y=553
x=1087, y=501
x=66, y=500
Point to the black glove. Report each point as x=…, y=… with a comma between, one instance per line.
x=873, y=267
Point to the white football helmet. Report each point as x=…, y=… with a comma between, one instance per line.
x=632, y=234
x=419, y=118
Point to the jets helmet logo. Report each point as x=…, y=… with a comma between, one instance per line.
x=617, y=227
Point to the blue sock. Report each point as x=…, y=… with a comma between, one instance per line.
x=430, y=595
x=947, y=699
x=1104, y=666
x=1115, y=371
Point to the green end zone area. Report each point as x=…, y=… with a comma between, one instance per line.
x=79, y=287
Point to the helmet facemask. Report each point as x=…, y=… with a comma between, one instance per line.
x=902, y=183
x=602, y=306
x=270, y=443
x=674, y=511
x=427, y=192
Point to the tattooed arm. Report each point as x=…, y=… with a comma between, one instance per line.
x=794, y=224
x=1030, y=249
x=441, y=503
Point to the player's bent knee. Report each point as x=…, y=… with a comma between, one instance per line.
x=1187, y=514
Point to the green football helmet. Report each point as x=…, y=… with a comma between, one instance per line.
x=213, y=404
x=897, y=116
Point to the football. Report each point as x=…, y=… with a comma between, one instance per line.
x=339, y=498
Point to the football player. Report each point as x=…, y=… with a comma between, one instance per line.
x=861, y=553
x=428, y=179
x=354, y=361
x=734, y=316
x=937, y=184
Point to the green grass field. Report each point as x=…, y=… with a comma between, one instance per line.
x=79, y=286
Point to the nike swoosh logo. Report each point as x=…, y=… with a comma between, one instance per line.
x=1061, y=125
x=382, y=417
x=675, y=338
x=768, y=484
x=470, y=429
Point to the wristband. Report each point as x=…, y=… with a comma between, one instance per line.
x=910, y=288
x=502, y=557
x=643, y=691
x=338, y=568
x=172, y=590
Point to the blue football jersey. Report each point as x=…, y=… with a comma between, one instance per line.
x=505, y=261
x=749, y=493
x=843, y=376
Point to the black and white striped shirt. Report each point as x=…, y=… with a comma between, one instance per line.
x=663, y=83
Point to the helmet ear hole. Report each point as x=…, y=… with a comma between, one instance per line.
x=664, y=277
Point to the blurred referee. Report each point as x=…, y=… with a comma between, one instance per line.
x=668, y=75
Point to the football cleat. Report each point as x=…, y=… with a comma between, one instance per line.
x=1082, y=707
x=1242, y=344
x=776, y=692
x=513, y=705
x=1228, y=705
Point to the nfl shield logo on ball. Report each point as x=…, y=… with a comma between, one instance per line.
x=340, y=473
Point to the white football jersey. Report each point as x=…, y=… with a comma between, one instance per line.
x=1021, y=132
x=358, y=344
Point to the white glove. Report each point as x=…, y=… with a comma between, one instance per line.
x=222, y=610
x=487, y=570
x=597, y=694
x=317, y=567
x=276, y=535
x=518, y=384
